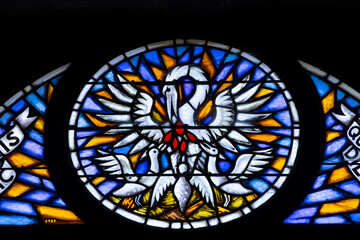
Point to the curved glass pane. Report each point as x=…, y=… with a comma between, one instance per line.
x=183, y=134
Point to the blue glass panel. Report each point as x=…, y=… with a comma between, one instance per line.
x=301, y=215
x=146, y=73
x=335, y=146
x=224, y=166
x=243, y=68
x=108, y=185
x=156, y=89
x=49, y=185
x=275, y=104
x=338, y=127
x=352, y=187
x=270, y=178
x=319, y=181
x=351, y=102
x=29, y=179
x=5, y=118
x=34, y=135
x=180, y=50
x=280, y=131
x=142, y=167
x=19, y=207
x=32, y=148
x=58, y=202
x=333, y=160
x=81, y=142
x=329, y=120
x=56, y=80
x=19, y=105
x=83, y=122
x=81, y=134
x=322, y=87
x=169, y=51
x=153, y=57
x=110, y=77
x=91, y=170
x=165, y=162
x=355, y=217
x=331, y=220
x=2, y=131
x=325, y=168
x=135, y=60
x=38, y=196
x=282, y=151
x=42, y=91
x=92, y=105
x=185, y=58
x=323, y=196
x=258, y=185
x=90, y=152
x=286, y=142
x=17, y=220
x=230, y=155
x=197, y=51
x=123, y=150
x=217, y=56
x=36, y=102
x=258, y=74
x=224, y=72
x=231, y=57
x=125, y=67
x=270, y=85
x=339, y=95
x=86, y=162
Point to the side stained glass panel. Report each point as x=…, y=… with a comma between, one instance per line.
x=27, y=194
x=335, y=195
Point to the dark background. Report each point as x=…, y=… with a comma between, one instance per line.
x=38, y=36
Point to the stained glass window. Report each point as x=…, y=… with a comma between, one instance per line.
x=183, y=134
x=178, y=134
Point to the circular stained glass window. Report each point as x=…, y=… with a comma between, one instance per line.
x=183, y=134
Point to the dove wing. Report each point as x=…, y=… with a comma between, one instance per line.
x=125, y=117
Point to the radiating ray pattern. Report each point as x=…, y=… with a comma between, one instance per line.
x=124, y=112
x=335, y=195
x=30, y=197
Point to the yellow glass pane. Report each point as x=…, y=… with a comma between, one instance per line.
x=98, y=122
x=263, y=92
x=342, y=206
x=18, y=159
x=17, y=189
x=57, y=215
x=269, y=122
x=39, y=124
x=105, y=94
x=158, y=72
x=169, y=61
x=339, y=175
x=279, y=163
x=263, y=137
x=50, y=92
x=208, y=66
x=330, y=135
x=100, y=140
x=328, y=102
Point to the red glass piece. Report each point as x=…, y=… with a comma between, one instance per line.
x=167, y=137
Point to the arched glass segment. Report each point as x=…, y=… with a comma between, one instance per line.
x=335, y=195
x=183, y=134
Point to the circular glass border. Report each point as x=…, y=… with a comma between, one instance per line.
x=286, y=170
